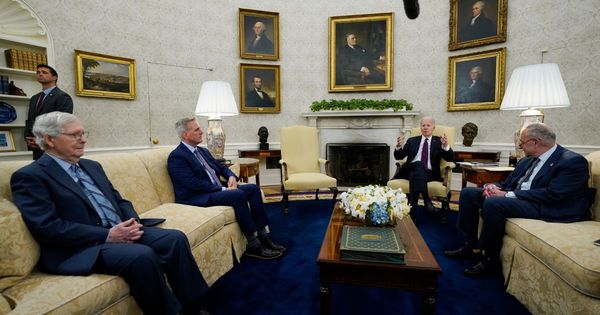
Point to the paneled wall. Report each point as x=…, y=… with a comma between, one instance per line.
x=179, y=44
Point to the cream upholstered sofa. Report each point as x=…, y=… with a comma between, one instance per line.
x=554, y=268
x=215, y=238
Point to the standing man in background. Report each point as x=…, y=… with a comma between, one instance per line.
x=51, y=99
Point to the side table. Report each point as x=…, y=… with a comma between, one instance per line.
x=248, y=167
x=483, y=175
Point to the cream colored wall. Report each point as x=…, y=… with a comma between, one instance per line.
x=172, y=41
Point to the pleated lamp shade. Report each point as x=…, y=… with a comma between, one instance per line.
x=216, y=99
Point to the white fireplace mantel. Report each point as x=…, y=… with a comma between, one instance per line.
x=362, y=119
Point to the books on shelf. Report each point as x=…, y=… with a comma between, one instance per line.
x=4, y=89
x=371, y=244
x=26, y=60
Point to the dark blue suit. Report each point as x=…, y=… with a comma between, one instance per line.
x=73, y=240
x=193, y=186
x=559, y=193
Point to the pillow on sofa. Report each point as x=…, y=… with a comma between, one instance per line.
x=20, y=252
x=4, y=305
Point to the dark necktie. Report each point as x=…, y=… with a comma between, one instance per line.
x=425, y=154
x=41, y=97
x=211, y=172
x=102, y=205
x=528, y=173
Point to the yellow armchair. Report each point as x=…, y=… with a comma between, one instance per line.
x=437, y=190
x=300, y=163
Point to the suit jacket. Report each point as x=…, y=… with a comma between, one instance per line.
x=191, y=183
x=57, y=100
x=479, y=92
x=481, y=28
x=61, y=217
x=436, y=153
x=263, y=46
x=253, y=100
x=560, y=186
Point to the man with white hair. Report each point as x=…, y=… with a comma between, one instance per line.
x=478, y=26
x=84, y=226
x=261, y=43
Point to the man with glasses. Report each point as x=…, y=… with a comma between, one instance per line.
x=550, y=184
x=84, y=226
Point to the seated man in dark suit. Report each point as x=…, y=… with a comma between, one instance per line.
x=196, y=180
x=550, y=184
x=84, y=226
x=424, y=154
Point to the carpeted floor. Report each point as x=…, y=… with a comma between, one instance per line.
x=290, y=285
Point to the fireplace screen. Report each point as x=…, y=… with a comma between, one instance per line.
x=359, y=164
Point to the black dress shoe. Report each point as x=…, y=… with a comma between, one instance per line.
x=485, y=267
x=430, y=208
x=262, y=252
x=268, y=242
x=464, y=252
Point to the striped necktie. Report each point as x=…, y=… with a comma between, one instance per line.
x=103, y=207
x=425, y=154
x=528, y=173
x=211, y=172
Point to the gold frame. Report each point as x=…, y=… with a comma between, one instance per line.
x=247, y=70
x=249, y=17
x=500, y=36
x=10, y=142
x=469, y=63
x=79, y=69
x=338, y=40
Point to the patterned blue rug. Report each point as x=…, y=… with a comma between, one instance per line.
x=290, y=285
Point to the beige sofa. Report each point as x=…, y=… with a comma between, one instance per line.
x=554, y=268
x=215, y=238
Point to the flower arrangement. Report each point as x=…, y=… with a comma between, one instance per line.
x=377, y=205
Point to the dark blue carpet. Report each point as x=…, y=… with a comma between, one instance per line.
x=290, y=285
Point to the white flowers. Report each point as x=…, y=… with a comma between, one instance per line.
x=382, y=203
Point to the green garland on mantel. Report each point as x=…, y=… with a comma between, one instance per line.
x=361, y=104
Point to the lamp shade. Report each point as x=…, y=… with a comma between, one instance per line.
x=216, y=99
x=535, y=86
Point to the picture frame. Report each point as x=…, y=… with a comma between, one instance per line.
x=361, y=52
x=268, y=85
x=99, y=75
x=476, y=80
x=489, y=27
x=7, y=143
x=251, y=24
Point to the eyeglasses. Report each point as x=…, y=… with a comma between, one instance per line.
x=77, y=135
x=522, y=143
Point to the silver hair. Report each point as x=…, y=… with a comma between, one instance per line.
x=427, y=117
x=51, y=124
x=182, y=124
x=479, y=69
x=262, y=25
x=481, y=4
x=541, y=131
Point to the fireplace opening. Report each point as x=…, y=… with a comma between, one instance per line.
x=359, y=164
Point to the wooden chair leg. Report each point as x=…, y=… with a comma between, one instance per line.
x=317, y=195
x=285, y=201
x=334, y=190
x=445, y=208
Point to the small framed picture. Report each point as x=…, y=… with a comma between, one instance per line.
x=259, y=88
x=7, y=144
x=476, y=80
x=475, y=23
x=104, y=76
x=361, y=52
x=259, y=34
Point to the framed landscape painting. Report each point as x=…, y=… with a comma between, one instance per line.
x=104, y=76
x=475, y=23
x=476, y=80
x=259, y=34
x=361, y=52
x=259, y=88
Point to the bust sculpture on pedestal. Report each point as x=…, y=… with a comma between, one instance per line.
x=263, y=134
x=469, y=132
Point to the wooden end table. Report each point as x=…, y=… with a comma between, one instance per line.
x=420, y=273
x=482, y=175
x=248, y=168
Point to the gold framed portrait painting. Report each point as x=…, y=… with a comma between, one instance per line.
x=476, y=80
x=104, y=76
x=477, y=22
x=259, y=88
x=7, y=143
x=259, y=34
x=361, y=52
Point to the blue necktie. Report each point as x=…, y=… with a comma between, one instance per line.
x=528, y=173
x=211, y=172
x=103, y=207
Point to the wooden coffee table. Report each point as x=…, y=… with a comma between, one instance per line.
x=420, y=273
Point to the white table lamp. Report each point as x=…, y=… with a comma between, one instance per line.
x=532, y=88
x=215, y=101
